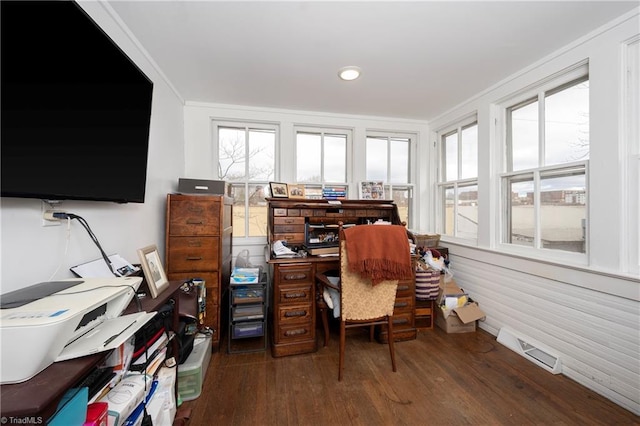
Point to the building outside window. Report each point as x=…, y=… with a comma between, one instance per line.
x=547, y=152
x=388, y=160
x=246, y=160
x=458, y=183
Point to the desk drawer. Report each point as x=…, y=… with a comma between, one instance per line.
x=193, y=254
x=288, y=229
x=403, y=304
x=295, y=294
x=194, y=216
x=294, y=333
x=402, y=321
x=406, y=288
x=295, y=314
x=289, y=221
x=295, y=274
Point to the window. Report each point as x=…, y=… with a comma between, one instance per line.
x=246, y=160
x=547, y=152
x=458, y=187
x=321, y=159
x=388, y=160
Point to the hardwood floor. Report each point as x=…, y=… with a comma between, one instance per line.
x=442, y=379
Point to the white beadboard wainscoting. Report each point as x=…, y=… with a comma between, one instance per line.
x=596, y=333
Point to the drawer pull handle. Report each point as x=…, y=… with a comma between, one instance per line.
x=291, y=277
x=196, y=243
x=297, y=332
x=401, y=305
x=403, y=287
x=295, y=295
x=194, y=257
x=195, y=222
x=295, y=314
x=400, y=321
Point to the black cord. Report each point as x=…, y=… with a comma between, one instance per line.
x=85, y=224
x=146, y=418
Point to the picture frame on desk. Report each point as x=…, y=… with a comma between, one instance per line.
x=296, y=191
x=371, y=190
x=278, y=190
x=153, y=270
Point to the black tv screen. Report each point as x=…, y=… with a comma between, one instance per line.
x=75, y=109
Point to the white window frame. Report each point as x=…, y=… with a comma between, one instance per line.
x=247, y=125
x=410, y=185
x=631, y=143
x=348, y=132
x=554, y=81
x=457, y=126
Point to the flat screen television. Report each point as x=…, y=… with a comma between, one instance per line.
x=75, y=109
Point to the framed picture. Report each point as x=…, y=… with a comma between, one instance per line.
x=372, y=190
x=296, y=191
x=278, y=190
x=153, y=270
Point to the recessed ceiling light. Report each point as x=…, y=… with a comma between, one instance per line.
x=349, y=73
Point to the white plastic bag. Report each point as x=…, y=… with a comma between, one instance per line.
x=437, y=264
x=242, y=261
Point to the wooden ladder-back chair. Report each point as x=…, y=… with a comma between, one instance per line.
x=369, y=280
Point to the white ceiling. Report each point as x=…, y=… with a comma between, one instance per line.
x=419, y=59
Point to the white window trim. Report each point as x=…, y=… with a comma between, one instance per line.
x=630, y=146
x=412, y=175
x=442, y=183
x=500, y=129
x=215, y=125
x=326, y=130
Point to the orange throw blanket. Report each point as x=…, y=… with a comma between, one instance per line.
x=379, y=252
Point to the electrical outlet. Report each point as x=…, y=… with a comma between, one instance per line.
x=47, y=215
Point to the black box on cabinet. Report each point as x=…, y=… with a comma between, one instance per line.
x=201, y=186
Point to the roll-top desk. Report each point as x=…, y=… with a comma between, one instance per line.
x=293, y=308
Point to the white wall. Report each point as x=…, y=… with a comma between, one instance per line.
x=588, y=314
x=31, y=253
x=201, y=156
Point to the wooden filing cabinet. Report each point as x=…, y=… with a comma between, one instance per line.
x=198, y=245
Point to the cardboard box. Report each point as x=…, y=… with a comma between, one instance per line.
x=455, y=313
x=460, y=320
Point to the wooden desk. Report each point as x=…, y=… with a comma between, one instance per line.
x=39, y=396
x=293, y=307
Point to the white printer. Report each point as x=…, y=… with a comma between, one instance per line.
x=60, y=320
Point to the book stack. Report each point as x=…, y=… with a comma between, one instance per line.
x=334, y=193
